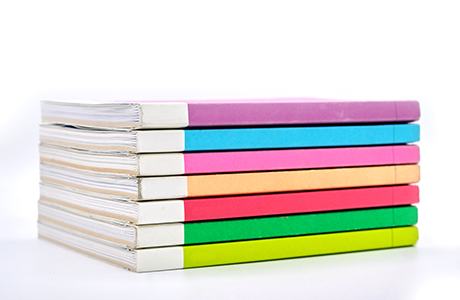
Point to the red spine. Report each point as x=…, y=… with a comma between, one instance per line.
x=300, y=202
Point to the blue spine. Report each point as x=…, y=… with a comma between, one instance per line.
x=299, y=137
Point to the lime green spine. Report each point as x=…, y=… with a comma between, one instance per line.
x=268, y=227
x=289, y=247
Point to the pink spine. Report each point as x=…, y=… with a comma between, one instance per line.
x=241, y=161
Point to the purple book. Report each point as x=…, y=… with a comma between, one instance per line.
x=218, y=113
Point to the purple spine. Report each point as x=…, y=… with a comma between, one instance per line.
x=300, y=112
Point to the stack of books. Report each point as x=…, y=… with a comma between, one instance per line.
x=167, y=185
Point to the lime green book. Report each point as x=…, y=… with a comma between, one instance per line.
x=190, y=256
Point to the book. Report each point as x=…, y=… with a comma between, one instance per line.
x=215, y=113
x=174, y=234
x=189, y=256
x=199, y=140
x=167, y=185
x=227, y=207
x=186, y=186
x=161, y=164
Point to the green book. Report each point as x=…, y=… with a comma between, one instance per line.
x=257, y=228
x=172, y=234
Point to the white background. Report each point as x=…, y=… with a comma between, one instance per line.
x=144, y=50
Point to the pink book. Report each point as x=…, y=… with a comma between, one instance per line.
x=160, y=164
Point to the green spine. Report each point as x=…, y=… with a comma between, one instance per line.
x=293, y=225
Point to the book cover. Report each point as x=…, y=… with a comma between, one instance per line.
x=227, y=207
x=188, y=233
x=215, y=113
x=198, y=140
x=190, y=256
x=162, y=164
x=187, y=186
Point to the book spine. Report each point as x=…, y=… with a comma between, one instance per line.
x=170, y=187
x=201, y=209
x=157, y=141
x=155, y=259
x=163, y=115
x=176, y=234
x=250, y=112
x=157, y=212
x=151, y=141
x=160, y=235
x=284, y=181
x=318, y=223
x=278, y=248
x=161, y=164
x=164, y=164
x=299, y=137
x=178, y=257
x=242, y=161
x=176, y=187
x=295, y=112
x=300, y=202
x=159, y=259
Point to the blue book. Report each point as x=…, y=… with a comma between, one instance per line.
x=183, y=140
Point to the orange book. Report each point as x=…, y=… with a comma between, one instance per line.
x=170, y=187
